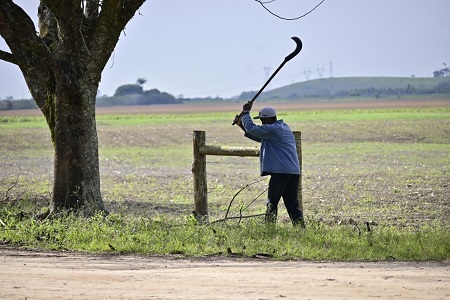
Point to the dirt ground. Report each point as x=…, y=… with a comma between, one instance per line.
x=63, y=275
x=233, y=107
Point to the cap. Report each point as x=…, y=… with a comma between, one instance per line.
x=266, y=112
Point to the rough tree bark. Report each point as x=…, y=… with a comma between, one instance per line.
x=62, y=66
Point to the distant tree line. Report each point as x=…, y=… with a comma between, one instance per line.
x=11, y=104
x=247, y=95
x=445, y=71
x=128, y=94
x=134, y=94
x=441, y=88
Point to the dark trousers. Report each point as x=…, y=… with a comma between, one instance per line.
x=286, y=186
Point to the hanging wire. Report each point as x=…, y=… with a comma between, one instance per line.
x=283, y=18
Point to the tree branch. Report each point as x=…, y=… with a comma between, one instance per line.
x=238, y=217
x=48, y=27
x=92, y=9
x=69, y=17
x=235, y=195
x=6, y=56
x=28, y=50
x=67, y=13
x=114, y=16
x=18, y=30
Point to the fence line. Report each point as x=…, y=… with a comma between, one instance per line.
x=201, y=150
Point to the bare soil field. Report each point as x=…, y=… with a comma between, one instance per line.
x=67, y=275
x=235, y=106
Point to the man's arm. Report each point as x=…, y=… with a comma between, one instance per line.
x=246, y=134
x=252, y=137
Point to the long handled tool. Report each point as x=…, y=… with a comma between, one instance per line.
x=298, y=48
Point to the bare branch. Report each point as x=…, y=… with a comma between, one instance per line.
x=10, y=188
x=239, y=217
x=256, y=198
x=114, y=15
x=238, y=192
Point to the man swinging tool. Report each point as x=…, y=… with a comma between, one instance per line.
x=278, y=153
x=278, y=158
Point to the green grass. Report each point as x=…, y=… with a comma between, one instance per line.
x=338, y=115
x=365, y=115
x=163, y=235
x=11, y=122
x=388, y=167
x=389, y=153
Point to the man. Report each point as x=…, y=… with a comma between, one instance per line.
x=278, y=158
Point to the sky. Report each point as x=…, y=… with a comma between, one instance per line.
x=220, y=48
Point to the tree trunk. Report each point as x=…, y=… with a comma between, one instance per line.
x=76, y=165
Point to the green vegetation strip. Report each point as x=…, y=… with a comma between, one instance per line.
x=293, y=116
x=161, y=235
x=367, y=114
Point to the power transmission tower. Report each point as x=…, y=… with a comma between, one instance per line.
x=331, y=69
x=267, y=73
x=320, y=71
x=307, y=73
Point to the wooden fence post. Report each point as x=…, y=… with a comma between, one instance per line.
x=298, y=140
x=199, y=171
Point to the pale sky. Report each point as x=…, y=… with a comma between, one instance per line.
x=203, y=48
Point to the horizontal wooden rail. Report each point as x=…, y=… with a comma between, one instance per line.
x=228, y=151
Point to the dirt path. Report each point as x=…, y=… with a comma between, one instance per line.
x=56, y=275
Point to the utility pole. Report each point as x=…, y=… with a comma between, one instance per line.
x=267, y=74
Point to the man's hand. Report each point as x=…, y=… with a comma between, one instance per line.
x=247, y=106
x=239, y=123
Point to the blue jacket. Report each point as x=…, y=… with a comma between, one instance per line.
x=278, y=152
